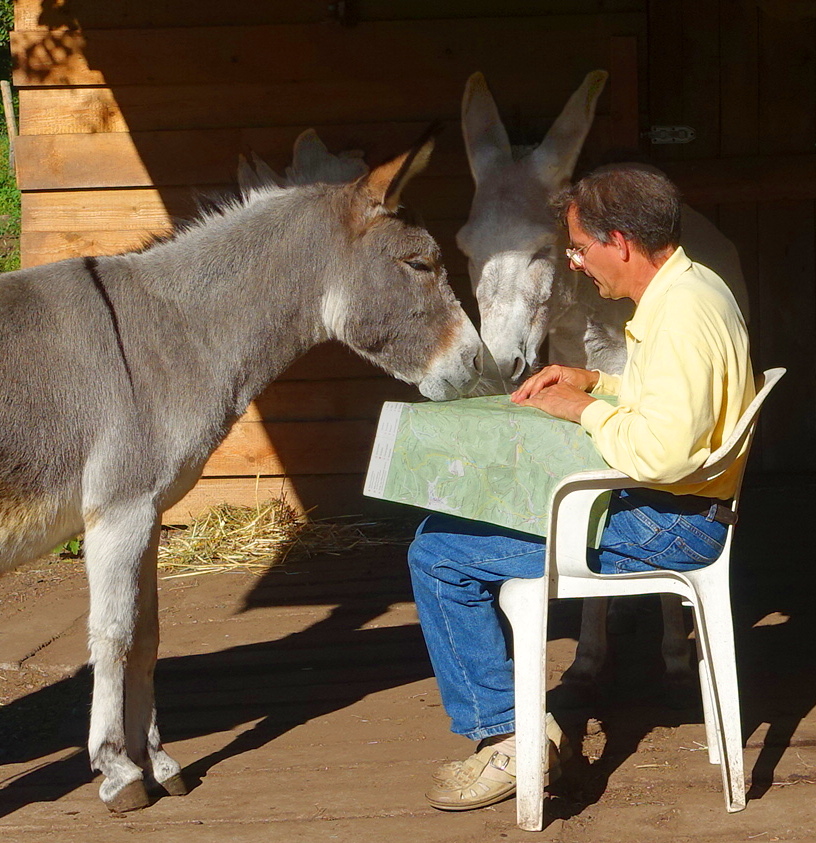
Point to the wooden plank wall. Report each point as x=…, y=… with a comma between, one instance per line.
x=124, y=107
x=127, y=108
x=743, y=75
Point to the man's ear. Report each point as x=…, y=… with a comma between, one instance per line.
x=622, y=245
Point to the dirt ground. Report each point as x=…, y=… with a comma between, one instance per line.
x=302, y=706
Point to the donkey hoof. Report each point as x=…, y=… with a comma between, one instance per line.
x=175, y=786
x=131, y=797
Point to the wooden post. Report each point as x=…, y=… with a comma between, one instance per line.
x=11, y=122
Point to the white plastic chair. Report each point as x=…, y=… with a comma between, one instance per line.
x=524, y=602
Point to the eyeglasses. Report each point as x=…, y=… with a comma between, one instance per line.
x=576, y=256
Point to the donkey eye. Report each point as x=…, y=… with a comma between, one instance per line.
x=419, y=266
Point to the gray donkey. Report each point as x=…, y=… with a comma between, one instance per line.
x=526, y=291
x=120, y=375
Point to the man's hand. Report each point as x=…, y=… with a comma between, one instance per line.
x=581, y=379
x=562, y=400
x=560, y=391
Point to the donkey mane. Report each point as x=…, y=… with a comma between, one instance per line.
x=208, y=207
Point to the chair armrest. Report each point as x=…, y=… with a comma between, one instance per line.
x=570, y=513
x=576, y=494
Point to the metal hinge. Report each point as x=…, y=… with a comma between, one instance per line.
x=670, y=134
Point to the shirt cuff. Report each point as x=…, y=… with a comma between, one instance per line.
x=595, y=414
x=607, y=384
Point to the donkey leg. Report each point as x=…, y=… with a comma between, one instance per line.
x=142, y=738
x=581, y=678
x=680, y=680
x=116, y=544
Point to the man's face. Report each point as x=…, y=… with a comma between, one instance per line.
x=599, y=261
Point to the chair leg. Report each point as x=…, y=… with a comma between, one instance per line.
x=716, y=634
x=707, y=696
x=524, y=602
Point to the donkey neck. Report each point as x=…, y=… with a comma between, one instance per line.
x=253, y=275
x=230, y=302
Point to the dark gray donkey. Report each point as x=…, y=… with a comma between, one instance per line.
x=120, y=375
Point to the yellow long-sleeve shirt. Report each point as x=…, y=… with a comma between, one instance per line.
x=686, y=382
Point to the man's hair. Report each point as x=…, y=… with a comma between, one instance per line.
x=641, y=203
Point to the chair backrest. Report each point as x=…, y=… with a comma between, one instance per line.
x=566, y=551
x=740, y=438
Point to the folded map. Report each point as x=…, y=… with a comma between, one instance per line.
x=485, y=458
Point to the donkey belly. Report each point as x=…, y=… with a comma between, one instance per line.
x=31, y=526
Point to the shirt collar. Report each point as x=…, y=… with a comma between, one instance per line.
x=676, y=265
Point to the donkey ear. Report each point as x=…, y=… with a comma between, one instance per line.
x=556, y=156
x=309, y=156
x=254, y=172
x=312, y=162
x=486, y=139
x=384, y=184
x=246, y=175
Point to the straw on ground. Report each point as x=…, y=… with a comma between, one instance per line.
x=242, y=538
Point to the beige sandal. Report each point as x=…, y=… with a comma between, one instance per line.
x=559, y=753
x=485, y=778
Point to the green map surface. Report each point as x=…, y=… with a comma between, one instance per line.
x=482, y=458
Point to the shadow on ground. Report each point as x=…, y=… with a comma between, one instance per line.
x=774, y=604
x=310, y=673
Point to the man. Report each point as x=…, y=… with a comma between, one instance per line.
x=686, y=382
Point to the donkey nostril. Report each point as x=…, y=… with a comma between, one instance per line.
x=478, y=361
x=518, y=368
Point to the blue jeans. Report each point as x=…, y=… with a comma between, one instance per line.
x=457, y=566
